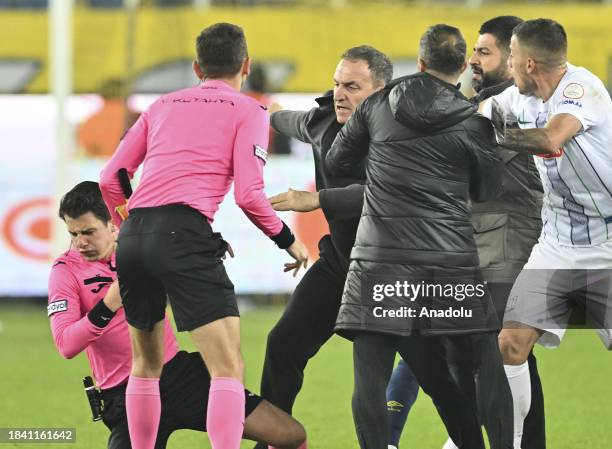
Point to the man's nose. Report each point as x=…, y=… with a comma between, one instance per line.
x=80, y=241
x=473, y=60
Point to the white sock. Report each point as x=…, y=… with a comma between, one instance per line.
x=449, y=445
x=520, y=384
x=391, y=447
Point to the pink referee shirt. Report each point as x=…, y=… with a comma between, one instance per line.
x=193, y=143
x=75, y=287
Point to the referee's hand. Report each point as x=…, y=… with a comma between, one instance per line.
x=298, y=251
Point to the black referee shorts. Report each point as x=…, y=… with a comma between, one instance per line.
x=183, y=388
x=171, y=251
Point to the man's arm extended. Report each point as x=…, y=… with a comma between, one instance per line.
x=292, y=123
x=548, y=140
x=342, y=202
x=129, y=155
x=538, y=141
x=339, y=202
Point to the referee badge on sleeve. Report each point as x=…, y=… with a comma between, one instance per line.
x=260, y=153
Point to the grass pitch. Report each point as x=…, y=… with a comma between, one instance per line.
x=40, y=389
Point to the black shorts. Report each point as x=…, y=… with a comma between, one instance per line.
x=171, y=251
x=183, y=387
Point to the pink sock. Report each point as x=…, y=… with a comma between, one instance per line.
x=225, y=416
x=143, y=407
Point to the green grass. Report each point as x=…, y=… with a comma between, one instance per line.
x=40, y=389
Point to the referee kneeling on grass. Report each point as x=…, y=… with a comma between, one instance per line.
x=192, y=143
x=86, y=314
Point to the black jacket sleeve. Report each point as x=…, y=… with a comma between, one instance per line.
x=293, y=123
x=487, y=167
x=350, y=146
x=342, y=202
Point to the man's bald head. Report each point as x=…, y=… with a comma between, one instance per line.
x=442, y=48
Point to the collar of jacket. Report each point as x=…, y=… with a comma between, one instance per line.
x=326, y=102
x=397, y=81
x=427, y=104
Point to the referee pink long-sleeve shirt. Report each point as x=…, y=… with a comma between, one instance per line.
x=75, y=287
x=193, y=143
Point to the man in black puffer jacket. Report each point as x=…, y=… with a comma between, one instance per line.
x=428, y=152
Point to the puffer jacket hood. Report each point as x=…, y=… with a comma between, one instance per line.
x=425, y=103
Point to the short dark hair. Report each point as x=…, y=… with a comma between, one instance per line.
x=443, y=49
x=545, y=36
x=378, y=63
x=221, y=49
x=501, y=27
x=82, y=198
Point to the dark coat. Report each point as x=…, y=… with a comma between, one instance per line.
x=507, y=227
x=427, y=152
x=341, y=197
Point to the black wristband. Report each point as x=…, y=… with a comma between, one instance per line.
x=285, y=238
x=100, y=315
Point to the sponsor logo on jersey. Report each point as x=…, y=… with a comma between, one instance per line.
x=57, y=306
x=574, y=102
x=102, y=282
x=573, y=90
x=260, y=153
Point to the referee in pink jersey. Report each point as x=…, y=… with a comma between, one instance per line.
x=192, y=144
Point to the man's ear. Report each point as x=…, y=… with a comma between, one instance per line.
x=421, y=66
x=530, y=66
x=246, y=66
x=197, y=70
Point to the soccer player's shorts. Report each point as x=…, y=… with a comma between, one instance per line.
x=561, y=287
x=171, y=251
x=183, y=387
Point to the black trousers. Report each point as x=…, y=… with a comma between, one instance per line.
x=373, y=356
x=306, y=324
x=478, y=368
x=184, y=386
